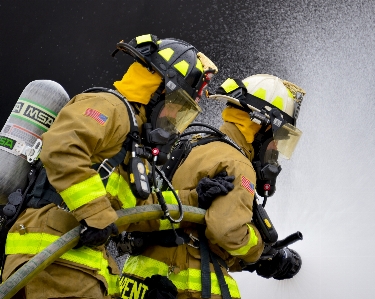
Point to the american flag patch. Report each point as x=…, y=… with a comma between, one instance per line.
x=249, y=186
x=99, y=117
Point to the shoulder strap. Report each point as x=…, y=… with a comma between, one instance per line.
x=184, y=147
x=107, y=166
x=213, y=135
x=134, y=130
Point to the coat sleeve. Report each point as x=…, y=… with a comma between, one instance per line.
x=87, y=130
x=229, y=218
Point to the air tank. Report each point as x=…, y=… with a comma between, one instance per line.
x=20, y=138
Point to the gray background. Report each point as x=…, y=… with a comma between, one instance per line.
x=327, y=47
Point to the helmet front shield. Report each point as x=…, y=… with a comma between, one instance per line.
x=286, y=139
x=178, y=112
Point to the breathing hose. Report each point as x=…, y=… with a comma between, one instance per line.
x=66, y=242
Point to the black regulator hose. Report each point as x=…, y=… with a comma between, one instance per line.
x=160, y=197
x=202, y=131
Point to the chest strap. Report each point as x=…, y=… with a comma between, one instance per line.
x=206, y=256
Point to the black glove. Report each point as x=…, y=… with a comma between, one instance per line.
x=92, y=237
x=134, y=243
x=208, y=189
x=280, y=264
x=160, y=287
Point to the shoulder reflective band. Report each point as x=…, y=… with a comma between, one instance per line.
x=83, y=192
x=33, y=243
x=189, y=279
x=253, y=240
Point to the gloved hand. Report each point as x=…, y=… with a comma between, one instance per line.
x=92, y=237
x=279, y=264
x=160, y=287
x=134, y=243
x=208, y=189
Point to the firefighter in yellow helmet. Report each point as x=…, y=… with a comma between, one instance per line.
x=88, y=173
x=220, y=171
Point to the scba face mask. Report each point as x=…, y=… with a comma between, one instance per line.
x=169, y=118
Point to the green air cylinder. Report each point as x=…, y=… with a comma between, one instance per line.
x=20, y=138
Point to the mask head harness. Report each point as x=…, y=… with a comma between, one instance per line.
x=278, y=134
x=174, y=105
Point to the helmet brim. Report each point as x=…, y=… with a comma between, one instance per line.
x=224, y=98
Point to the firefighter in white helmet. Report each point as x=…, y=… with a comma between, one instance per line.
x=260, y=123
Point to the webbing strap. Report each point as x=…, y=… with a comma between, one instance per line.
x=205, y=265
x=6, y=223
x=134, y=134
x=134, y=131
x=116, y=160
x=220, y=277
x=43, y=193
x=206, y=256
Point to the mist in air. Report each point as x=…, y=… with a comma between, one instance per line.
x=326, y=190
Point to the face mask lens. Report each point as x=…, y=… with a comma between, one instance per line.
x=178, y=112
x=286, y=139
x=271, y=155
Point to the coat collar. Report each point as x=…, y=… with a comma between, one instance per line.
x=235, y=134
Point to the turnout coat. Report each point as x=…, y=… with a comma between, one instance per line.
x=229, y=229
x=89, y=129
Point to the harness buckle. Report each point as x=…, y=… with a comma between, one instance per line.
x=33, y=152
x=106, y=166
x=195, y=240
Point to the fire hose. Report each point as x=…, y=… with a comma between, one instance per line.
x=66, y=242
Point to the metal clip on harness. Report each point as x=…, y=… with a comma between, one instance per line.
x=104, y=165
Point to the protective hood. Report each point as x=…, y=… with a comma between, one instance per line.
x=242, y=121
x=138, y=84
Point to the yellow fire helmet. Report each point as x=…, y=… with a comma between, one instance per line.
x=270, y=101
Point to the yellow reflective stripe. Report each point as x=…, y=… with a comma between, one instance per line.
x=253, y=240
x=199, y=65
x=260, y=93
x=117, y=186
x=246, y=83
x=143, y=39
x=229, y=85
x=169, y=199
x=278, y=102
x=182, y=67
x=189, y=279
x=83, y=192
x=33, y=243
x=166, y=53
